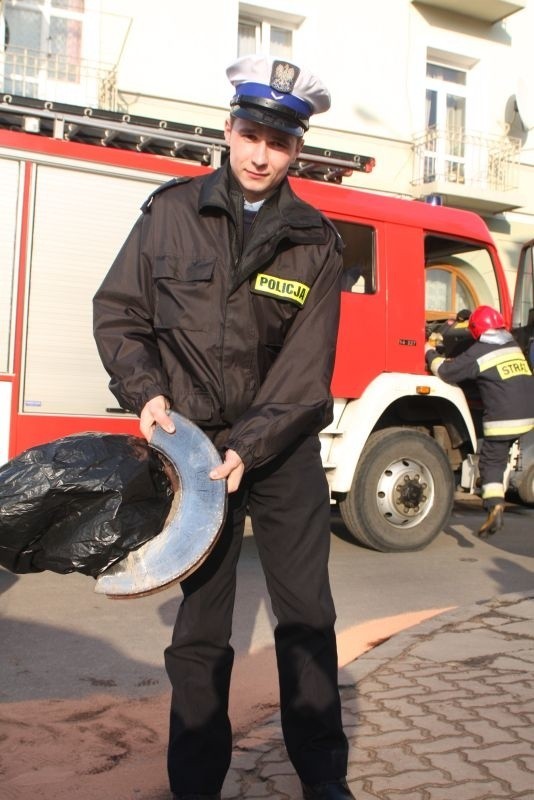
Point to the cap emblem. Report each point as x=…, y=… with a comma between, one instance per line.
x=283, y=76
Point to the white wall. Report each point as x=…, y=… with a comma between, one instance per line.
x=178, y=49
x=372, y=55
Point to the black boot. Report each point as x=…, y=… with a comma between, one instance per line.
x=494, y=521
x=329, y=790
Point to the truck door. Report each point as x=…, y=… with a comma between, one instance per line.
x=360, y=352
x=405, y=299
x=523, y=309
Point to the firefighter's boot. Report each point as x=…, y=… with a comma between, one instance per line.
x=494, y=521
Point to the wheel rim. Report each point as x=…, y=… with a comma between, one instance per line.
x=405, y=493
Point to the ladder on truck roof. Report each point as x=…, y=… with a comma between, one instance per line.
x=144, y=134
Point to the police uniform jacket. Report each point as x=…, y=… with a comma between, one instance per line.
x=504, y=381
x=239, y=337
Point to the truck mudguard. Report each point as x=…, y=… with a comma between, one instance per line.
x=356, y=419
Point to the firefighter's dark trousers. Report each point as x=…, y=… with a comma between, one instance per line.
x=492, y=463
x=289, y=508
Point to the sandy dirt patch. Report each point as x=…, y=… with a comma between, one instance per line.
x=106, y=747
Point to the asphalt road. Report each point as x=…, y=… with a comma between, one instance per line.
x=58, y=639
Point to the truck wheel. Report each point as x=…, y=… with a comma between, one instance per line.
x=402, y=492
x=525, y=489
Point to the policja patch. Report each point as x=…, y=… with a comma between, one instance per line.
x=292, y=291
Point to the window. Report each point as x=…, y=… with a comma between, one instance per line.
x=358, y=257
x=445, y=122
x=264, y=36
x=458, y=275
x=44, y=42
x=447, y=292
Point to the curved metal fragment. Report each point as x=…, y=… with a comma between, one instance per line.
x=194, y=522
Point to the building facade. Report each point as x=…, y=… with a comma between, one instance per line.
x=439, y=92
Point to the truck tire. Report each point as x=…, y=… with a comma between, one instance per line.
x=525, y=489
x=402, y=492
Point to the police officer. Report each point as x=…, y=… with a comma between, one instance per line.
x=223, y=304
x=506, y=386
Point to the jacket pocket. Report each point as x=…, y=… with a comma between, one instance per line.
x=198, y=407
x=182, y=292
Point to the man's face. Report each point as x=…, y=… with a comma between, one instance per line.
x=259, y=156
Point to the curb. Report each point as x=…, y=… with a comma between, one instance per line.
x=370, y=661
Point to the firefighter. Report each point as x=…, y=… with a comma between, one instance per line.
x=223, y=305
x=506, y=386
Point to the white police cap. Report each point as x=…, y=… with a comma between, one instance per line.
x=276, y=93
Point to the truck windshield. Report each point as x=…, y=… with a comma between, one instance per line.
x=459, y=275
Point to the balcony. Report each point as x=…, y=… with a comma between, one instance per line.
x=36, y=74
x=468, y=170
x=490, y=11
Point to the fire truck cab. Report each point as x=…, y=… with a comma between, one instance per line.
x=72, y=184
x=395, y=450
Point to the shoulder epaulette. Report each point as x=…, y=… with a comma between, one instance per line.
x=340, y=244
x=162, y=188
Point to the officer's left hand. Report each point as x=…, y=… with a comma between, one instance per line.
x=232, y=468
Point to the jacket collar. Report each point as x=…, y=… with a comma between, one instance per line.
x=284, y=217
x=220, y=190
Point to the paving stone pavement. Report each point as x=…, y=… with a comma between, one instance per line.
x=441, y=711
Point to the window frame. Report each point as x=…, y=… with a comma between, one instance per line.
x=445, y=154
x=61, y=68
x=264, y=20
x=433, y=315
x=359, y=256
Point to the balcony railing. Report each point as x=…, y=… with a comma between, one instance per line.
x=33, y=73
x=477, y=161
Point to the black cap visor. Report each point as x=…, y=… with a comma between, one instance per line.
x=269, y=113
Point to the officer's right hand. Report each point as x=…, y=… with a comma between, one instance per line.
x=155, y=412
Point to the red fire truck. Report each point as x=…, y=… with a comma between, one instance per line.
x=72, y=182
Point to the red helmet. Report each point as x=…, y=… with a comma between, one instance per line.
x=483, y=318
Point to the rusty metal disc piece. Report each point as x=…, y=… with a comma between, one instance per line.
x=194, y=522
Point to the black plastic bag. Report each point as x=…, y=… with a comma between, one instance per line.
x=81, y=503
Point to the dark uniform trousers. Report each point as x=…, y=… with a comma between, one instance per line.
x=287, y=500
x=492, y=463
